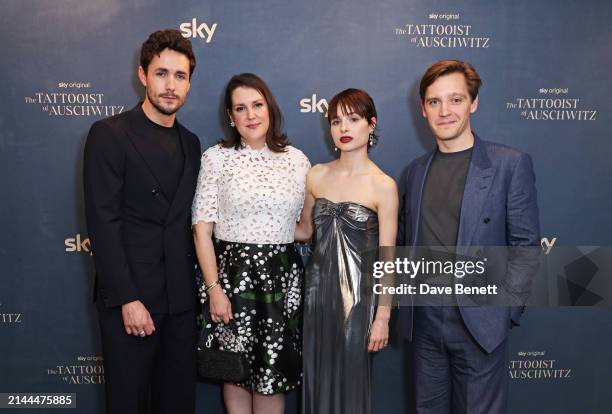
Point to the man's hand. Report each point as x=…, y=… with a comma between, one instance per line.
x=136, y=319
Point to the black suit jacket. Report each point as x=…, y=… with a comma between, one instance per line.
x=141, y=238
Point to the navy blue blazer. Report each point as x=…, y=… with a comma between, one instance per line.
x=499, y=208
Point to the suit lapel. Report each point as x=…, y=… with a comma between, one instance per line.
x=185, y=189
x=150, y=151
x=477, y=186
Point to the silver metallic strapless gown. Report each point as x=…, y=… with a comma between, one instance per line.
x=338, y=310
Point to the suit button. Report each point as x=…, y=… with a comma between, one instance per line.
x=486, y=220
x=154, y=192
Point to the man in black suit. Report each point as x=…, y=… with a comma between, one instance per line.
x=140, y=173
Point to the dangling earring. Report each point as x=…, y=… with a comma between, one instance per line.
x=232, y=124
x=371, y=140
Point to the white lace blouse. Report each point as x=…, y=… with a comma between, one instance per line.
x=252, y=196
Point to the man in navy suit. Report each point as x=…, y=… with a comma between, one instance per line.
x=467, y=192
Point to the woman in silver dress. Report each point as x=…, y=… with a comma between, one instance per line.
x=354, y=207
x=249, y=196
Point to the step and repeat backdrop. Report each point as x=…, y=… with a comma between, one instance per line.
x=546, y=68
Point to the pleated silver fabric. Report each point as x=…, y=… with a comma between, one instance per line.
x=338, y=310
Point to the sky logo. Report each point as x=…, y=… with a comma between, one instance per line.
x=193, y=29
x=313, y=105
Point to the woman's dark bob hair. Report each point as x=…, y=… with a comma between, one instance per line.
x=353, y=101
x=276, y=140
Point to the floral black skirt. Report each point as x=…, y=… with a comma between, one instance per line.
x=264, y=285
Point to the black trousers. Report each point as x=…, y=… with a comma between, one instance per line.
x=155, y=374
x=452, y=373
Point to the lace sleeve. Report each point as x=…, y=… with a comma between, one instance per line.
x=205, y=202
x=303, y=165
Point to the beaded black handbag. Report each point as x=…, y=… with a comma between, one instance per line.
x=219, y=365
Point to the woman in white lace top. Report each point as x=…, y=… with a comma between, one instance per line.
x=249, y=196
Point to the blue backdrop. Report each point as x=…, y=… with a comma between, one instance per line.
x=67, y=63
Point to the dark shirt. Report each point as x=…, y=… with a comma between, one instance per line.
x=440, y=214
x=169, y=140
x=442, y=197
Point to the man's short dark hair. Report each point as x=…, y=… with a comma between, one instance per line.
x=166, y=39
x=446, y=67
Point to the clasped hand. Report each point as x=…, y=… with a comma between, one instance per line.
x=137, y=319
